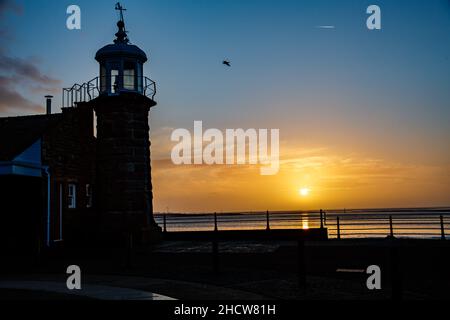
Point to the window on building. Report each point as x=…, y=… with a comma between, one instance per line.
x=72, y=196
x=88, y=196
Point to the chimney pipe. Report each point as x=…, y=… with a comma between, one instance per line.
x=49, y=104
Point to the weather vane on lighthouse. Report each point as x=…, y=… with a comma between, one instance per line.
x=122, y=33
x=121, y=9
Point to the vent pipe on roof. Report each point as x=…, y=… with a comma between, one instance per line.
x=49, y=104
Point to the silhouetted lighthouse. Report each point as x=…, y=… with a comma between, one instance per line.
x=124, y=188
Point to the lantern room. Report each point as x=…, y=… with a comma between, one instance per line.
x=121, y=65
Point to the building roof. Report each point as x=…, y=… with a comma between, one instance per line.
x=19, y=133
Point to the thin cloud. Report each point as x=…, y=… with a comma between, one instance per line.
x=10, y=100
x=18, y=75
x=38, y=89
x=25, y=69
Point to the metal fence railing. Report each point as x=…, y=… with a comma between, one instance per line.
x=340, y=225
x=394, y=225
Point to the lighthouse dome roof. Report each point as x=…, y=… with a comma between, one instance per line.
x=120, y=50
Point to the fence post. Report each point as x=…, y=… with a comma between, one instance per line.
x=396, y=274
x=442, y=228
x=321, y=219
x=129, y=243
x=338, y=228
x=267, y=221
x=38, y=251
x=301, y=267
x=391, y=227
x=215, y=222
x=165, y=223
x=325, y=217
x=215, y=257
x=215, y=247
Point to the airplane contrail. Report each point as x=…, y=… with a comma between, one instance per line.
x=326, y=27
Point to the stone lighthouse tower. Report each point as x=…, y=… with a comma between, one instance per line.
x=124, y=188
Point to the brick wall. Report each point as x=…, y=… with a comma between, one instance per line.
x=69, y=151
x=123, y=155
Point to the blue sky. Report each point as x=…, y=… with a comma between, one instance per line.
x=384, y=94
x=275, y=48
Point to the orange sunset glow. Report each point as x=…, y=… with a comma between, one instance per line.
x=333, y=180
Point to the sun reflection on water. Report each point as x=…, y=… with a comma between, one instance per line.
x=305, y=223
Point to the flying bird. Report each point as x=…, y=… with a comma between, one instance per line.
x=226, y=63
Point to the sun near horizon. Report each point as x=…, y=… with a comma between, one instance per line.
x=304, y=192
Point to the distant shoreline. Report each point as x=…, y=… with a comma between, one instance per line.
x=356, y=210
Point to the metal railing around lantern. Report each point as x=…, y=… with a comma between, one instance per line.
x=92, y=89
x=80, y=93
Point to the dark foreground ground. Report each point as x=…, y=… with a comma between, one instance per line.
x=248, y=270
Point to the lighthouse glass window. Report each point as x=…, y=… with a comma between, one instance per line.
x=114, y=81
x=103, y=85
x=139, y=78
x=129, y=75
